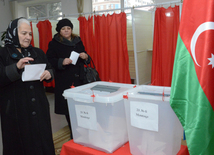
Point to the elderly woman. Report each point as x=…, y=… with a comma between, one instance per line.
x=67, y=74
x=24, y=108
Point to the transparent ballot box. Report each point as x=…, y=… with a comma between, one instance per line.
x=153, y=127
x=97, y=115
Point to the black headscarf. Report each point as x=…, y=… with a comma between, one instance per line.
x=12, y=34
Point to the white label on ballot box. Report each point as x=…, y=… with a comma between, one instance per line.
x=144, y=115
x=86, y=117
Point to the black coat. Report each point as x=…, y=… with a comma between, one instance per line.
x=24, y=108
x=65, y=76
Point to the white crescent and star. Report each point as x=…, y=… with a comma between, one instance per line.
x=203, y=27
x=211, y=60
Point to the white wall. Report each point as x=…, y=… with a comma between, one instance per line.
x=5, y=16
x=17, y=10
x=143, y=22
x=70, y=6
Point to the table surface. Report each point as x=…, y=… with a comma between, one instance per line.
x=71, y=148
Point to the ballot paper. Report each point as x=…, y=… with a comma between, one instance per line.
x=144, y=115
x=74, y=57
x=33, y=72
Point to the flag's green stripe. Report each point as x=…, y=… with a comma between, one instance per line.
x=191, y=105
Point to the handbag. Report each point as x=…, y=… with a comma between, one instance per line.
x=91, y=74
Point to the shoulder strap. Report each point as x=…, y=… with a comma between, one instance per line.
x=90, y=63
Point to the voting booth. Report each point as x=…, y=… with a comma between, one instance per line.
x=97, y=115
x=153, y=127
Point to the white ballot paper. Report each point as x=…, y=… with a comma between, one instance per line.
x=86, y=116
x=74, y=57
x=33, y=72
x=144, y=115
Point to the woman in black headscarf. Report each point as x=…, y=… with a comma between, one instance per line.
x=24, y=108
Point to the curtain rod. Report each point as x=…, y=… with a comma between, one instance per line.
x=94, y=12
x=172, y=2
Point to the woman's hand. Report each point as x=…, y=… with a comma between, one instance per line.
x=67, y=61
x=83, y=55
x=24, y=61
x=46, y=75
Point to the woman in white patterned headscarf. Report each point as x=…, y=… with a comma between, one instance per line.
x=24, y=108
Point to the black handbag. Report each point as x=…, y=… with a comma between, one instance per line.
x=91, y=74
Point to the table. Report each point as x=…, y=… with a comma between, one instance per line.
x=71, y=148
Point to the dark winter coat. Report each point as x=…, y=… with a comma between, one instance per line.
x=25, y=116
x=65, y=76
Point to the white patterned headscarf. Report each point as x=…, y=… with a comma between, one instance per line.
x=12, y=34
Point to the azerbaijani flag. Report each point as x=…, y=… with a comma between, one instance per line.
x=192, y=89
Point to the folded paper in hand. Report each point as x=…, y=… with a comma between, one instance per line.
x=74, y=57
x=33, y=72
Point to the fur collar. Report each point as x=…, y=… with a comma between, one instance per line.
x=64, y=41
